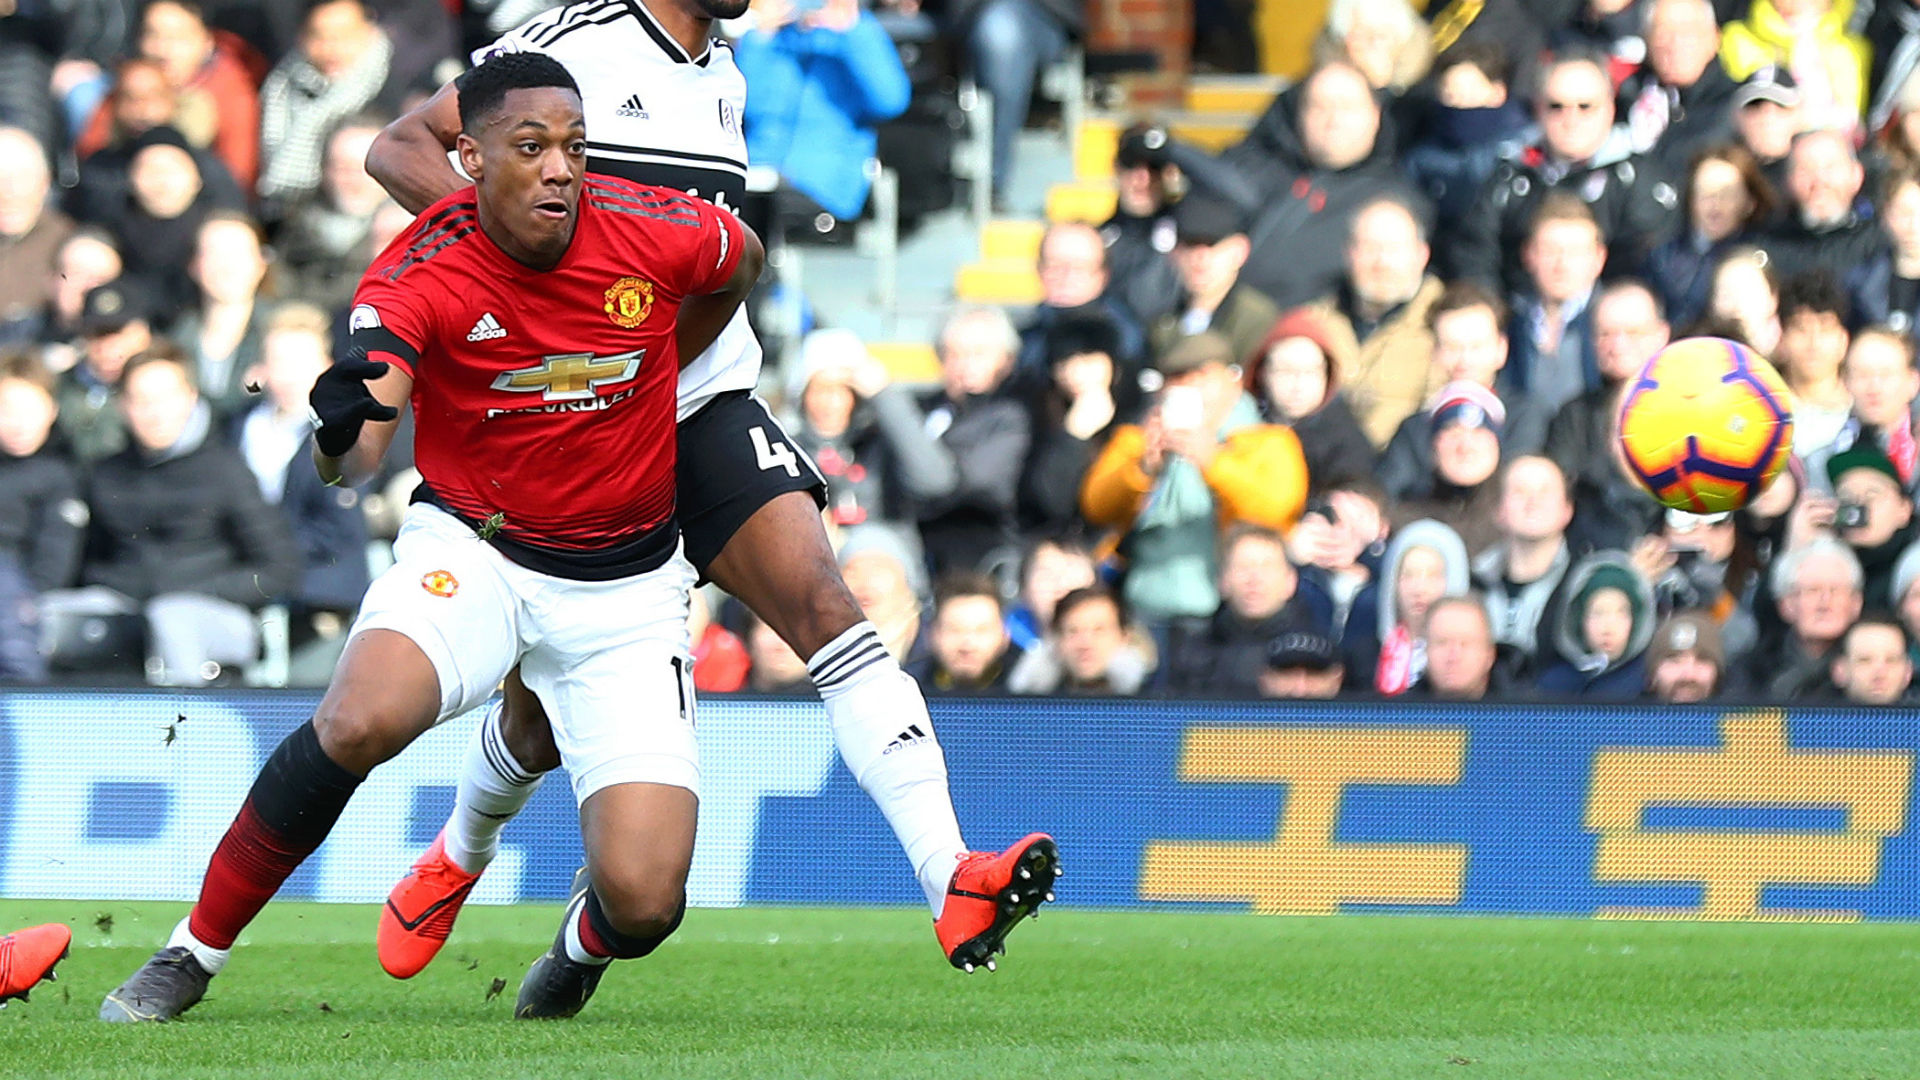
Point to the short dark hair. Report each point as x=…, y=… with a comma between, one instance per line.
x=1070, y=543
x=1883, y=619
x=484, y=89
x=1463, y=295
x=1490, y=57
x=1886, y=333
x=1563, y=206
x=1634, y=285
x=1366, y=487
x=1240, y=533
x=1087, y=594
x=162, y=351
x=962, y=584
x=1814, y=291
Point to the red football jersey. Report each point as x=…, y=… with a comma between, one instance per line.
x=543, y=400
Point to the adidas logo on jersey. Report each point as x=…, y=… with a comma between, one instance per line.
x=487, y=329
x=632, y=109
x=907, y=738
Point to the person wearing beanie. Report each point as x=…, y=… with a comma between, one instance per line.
x=1087, y=393
x=1469, y=345
x=1467, y=421
x=1603, y=632
x=1871, y=513
x=1296, y=375
x=1303, y=663
x=860, y=429
x=1140, y=234
x=1686, y=661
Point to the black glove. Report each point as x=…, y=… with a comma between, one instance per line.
x=341, y=403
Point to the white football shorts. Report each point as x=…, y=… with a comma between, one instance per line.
x=610, y=660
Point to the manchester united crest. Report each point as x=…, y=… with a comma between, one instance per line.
x=440, y=583
x=629, y=301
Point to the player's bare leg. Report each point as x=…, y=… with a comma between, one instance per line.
x=630, y=897
x=780, y=564
x=384, y=695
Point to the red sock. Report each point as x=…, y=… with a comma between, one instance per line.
x=590, y=939
x=247, y=868
x=293, y=804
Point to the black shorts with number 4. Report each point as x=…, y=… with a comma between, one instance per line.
x=734, y=458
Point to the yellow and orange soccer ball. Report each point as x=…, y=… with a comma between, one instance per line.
x=1706, y=424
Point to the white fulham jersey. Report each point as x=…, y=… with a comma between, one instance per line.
x=656, y=115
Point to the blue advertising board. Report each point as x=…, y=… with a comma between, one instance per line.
x=1636, y=812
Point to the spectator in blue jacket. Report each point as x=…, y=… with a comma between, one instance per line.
x=818, y=83
x=1473, y=124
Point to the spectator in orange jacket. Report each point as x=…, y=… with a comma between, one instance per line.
x=1199, y=461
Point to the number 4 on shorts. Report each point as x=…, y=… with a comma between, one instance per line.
x=771, y=456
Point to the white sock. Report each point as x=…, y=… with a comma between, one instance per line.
x=493, y=788
x=880, y=726
x=209, y=958
x=577, y=952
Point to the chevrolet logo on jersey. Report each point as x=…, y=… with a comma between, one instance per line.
x=571, y=376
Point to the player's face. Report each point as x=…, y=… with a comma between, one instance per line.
x=527, y=163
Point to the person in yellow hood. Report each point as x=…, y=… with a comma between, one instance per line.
x=1810, y=39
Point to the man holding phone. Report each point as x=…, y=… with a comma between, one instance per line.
x=1870, y=512
x=1199, y=461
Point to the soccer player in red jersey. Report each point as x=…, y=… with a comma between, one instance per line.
x=663, y=98
x=535, y=323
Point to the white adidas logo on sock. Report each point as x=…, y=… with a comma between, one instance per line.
x=487, y=329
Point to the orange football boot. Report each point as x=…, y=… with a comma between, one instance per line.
x=28, y=956
x=989, y=894
x=420, y=911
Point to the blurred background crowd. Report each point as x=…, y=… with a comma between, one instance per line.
x=1327, y=410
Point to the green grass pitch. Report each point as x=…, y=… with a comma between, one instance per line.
x=812, y=993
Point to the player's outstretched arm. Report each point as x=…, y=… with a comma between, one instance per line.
x=409, y=156
x=356, y=408
x=703, y=317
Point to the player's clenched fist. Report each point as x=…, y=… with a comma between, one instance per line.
x=341, y=403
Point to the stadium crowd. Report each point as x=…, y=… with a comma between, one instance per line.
x=1327, y=414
